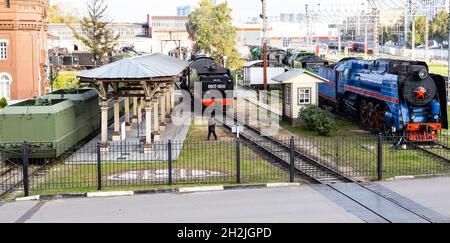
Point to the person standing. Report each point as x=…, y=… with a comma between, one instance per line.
x=212, y=127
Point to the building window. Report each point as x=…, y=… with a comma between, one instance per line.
x=5, y=86
x=304, y=96
x=3, y=49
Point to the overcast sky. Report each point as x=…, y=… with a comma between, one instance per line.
x=136, y=10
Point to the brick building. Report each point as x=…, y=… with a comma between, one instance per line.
x=23, y=41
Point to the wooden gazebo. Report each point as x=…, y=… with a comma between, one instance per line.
x=148, y=80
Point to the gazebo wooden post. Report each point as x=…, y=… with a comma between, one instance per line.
x=148, y=125
x=139, y=111
x=168, y=104
x=156, y=134
x=127, y=114
x=162, y=105
x=135, y=109
x=172, y=96
x=104, y=123
x=116, y=135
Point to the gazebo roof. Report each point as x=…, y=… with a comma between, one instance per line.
x=142, y=67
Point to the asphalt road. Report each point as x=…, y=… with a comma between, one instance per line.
x=295, y=204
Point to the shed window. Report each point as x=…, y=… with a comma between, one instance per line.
x=3, y=49
x=304, y=96
x=287, y=94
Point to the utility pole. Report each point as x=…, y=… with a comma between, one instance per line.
x=264, y=41
x=448, y=46
x=426, y=37
x=308, y=24
x=413, y=40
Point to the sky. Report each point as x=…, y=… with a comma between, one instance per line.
x=136, y=10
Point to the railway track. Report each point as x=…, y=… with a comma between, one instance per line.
x=8, y=179
x=276, y=149
x=381, y=207
x=431, y=153
x=356, y=193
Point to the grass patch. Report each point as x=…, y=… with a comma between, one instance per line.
x=344, y=128
x=217, y=157
x=438, y=68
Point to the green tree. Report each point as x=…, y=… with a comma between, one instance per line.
x=210, y=26
x=66, y=80
x=419, y=31
x=58, y=16
x=96, y=34
x=439, y=26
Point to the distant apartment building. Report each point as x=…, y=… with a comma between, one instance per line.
x=23, y=40
x=184, y=10
x=170, y=33
x=131, y=35
x=284, y=34
x=160, y=34
x=292, y=17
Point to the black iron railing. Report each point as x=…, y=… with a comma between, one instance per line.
x=228, y=161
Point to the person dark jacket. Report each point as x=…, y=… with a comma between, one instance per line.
x=212, y=128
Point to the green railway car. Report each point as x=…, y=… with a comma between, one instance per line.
x=51, y=124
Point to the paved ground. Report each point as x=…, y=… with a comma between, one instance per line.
x=432, y=193
x=296, y=204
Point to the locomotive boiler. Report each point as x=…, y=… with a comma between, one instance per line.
x=388, y=96
x=215, y=82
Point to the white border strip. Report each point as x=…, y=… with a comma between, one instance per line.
x=110, y=194
x=201, y=189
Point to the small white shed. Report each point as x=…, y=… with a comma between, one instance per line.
x=300, y=89
x=254, y=73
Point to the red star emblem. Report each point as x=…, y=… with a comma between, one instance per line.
x=420, y=93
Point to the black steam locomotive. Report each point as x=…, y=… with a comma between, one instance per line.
x=209, y=82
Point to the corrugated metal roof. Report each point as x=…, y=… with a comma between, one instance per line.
x=294, y=73
x=249, y=64
x=141, y=67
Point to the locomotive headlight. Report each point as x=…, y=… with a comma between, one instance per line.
x=423, y=74
x=436, y=117
x=413, y=117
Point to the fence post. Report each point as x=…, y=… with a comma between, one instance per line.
x=292, y=161
x=25, y=162
x=99, y=168
x=380, y=158
x=238, y=161
x=169, y=151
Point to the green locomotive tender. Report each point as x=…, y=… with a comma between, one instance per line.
x=51, y=124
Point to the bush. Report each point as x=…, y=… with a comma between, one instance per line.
x=318, y=120
x=3, y=103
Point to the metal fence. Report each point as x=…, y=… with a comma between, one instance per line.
x=439, y=54
x=228, y=161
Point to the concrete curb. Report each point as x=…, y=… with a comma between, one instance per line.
x=156, y=191
x=411, y=177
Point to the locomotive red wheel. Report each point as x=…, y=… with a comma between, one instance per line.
x=379, y=120
x=371, y=114
x=363, y=112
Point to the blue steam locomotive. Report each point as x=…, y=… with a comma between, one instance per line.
x=388, y=96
